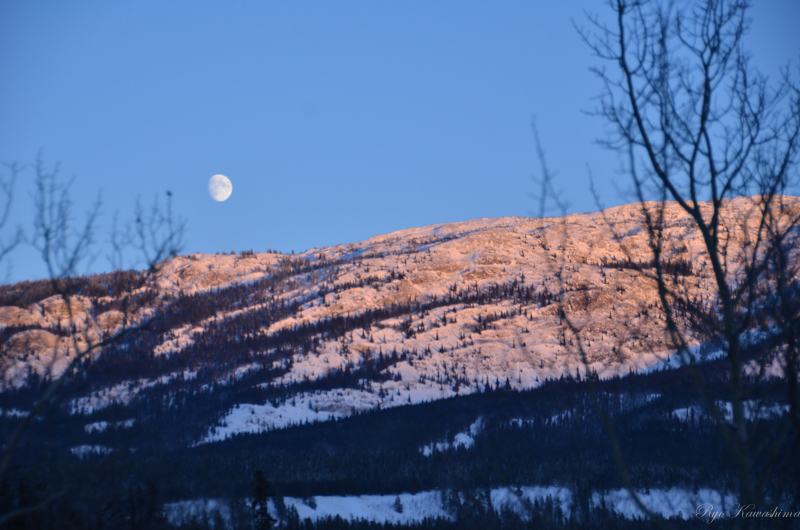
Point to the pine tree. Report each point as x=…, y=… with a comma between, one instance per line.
x=262, y=520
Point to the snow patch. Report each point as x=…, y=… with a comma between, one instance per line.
x=13, y=413
x=416, y=507
x=100, y=426
x=302, y=408
x=673, y=502
x=84, y=451
x=122, y=393
x=463, y=439
x=182, y=512
x=753, y=411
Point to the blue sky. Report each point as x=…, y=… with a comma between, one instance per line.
x=335, y=121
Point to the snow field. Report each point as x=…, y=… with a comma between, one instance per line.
x=416, y=507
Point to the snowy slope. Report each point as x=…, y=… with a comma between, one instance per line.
x=490, y=333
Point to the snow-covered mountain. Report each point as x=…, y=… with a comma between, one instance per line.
x=412, y=316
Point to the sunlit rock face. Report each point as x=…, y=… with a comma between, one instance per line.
x=11, y=317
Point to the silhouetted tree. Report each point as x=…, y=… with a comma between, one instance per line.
x=698, y=126
x=259, y=505
x=63, y=247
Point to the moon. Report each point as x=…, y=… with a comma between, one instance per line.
x=220, y=187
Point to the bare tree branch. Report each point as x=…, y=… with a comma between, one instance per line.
x=156, y=234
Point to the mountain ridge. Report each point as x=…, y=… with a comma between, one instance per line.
x=415, y=315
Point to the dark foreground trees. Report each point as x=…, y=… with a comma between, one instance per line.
x=697, y=125
x=64, y=245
